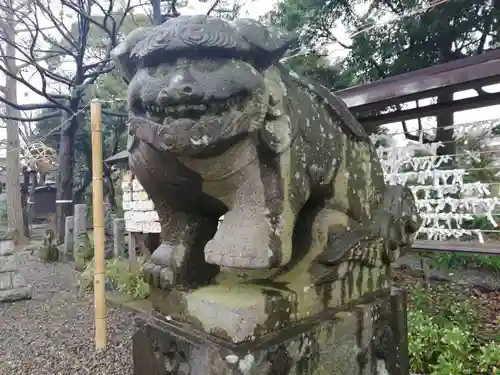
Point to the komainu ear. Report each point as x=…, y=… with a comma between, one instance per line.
x=121, y=53
x=270, y=43
x=278, y=131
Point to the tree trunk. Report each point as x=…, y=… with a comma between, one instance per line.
x=157, y=16
x=64, y=197
x=14, y=208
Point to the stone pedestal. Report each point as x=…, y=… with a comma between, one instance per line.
x=368, y=338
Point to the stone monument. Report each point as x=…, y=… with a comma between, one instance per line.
x=297, y=278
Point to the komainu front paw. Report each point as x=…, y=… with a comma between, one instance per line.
x=158, y=276
x=160, y=270
x=163, y=269
x=397, y=220
x=177, y=265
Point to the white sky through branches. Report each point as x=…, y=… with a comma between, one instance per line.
x=254, y=9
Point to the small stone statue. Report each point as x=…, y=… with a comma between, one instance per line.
x=49, y=252
x=220, y=127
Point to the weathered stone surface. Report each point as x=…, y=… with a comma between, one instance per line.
x=6, y=247
x=224, y=129
x=13, y=287
x=238, y=311
x=49, y=251
x=8, y=263
x=12, y=295
x=18, y=281
x=80, y=224
x=68, y=237
x=82, y=250
x=366, y=339
x=119, y=237
x=5, y=280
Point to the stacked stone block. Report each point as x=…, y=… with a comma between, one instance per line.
x=139, y=210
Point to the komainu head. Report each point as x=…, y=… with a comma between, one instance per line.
x=197, y=83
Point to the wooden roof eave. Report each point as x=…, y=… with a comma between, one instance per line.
x=462, y=74
x=118, y=158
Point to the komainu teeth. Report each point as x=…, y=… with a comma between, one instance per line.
x=216, y=107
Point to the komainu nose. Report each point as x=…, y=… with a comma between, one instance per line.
x=176, y=93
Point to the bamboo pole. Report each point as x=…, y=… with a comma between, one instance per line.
x=98, y=218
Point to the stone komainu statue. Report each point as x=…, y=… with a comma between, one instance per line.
x=219, y=127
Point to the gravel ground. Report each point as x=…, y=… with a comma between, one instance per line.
x=53, y=333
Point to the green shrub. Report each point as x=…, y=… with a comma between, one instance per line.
x=489, y=359
x=456, y=260
x=120, y=275
x=442, y=336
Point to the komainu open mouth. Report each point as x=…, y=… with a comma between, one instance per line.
x=193, y=111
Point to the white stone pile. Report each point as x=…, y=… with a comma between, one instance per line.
x=139, y=210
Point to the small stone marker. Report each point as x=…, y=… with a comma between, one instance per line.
x=119, y=237
x=79, y=224
x=68, y=237
x=13, y=287
x=132, y=246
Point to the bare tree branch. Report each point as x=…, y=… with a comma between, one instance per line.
x=214, y=5
x=71, y=42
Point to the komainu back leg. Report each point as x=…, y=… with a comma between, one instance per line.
x=338, y=239
x=375, y=243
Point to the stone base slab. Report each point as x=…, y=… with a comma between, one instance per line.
x=367, y=339
x=239, y=311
